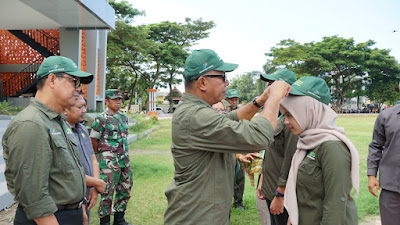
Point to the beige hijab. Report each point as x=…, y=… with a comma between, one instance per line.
x=318, y=122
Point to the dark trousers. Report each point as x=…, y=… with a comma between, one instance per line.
x=238, y=186
x=280, y=219
x=64, y=217
x=389, y=205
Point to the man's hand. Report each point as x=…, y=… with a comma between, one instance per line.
x=247, y=158
x=259, y=196
x=100, y=186
x=85, y=216
x=92, y=198
x=279, y=89
x=372, y=184
x=276, y=206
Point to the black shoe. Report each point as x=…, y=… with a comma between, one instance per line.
x=105, y=220
x=239, y=206
x=119, y=219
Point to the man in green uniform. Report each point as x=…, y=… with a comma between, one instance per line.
x=109, y=137
x=277, y=159
x=43, y=170
x=203, y=141
x=232, y=97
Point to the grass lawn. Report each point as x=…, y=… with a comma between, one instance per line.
x=153, y=170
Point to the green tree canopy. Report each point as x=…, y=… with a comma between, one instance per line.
x=345, y=65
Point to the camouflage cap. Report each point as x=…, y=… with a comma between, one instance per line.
x=113, y=94
x=232, y=93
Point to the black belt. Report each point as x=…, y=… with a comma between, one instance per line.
x=77, y=205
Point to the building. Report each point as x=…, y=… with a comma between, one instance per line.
x=31, y=30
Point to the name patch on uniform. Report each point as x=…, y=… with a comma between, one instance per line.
x=311, y=155
x=68, y=130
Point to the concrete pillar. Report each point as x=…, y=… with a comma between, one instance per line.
x=70, y=44
x=92, y=46
x=102, y=68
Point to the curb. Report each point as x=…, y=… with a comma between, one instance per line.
x=135, y=137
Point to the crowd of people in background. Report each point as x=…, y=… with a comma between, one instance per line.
x=308, y=169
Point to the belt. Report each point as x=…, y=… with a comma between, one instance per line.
x=77, y=205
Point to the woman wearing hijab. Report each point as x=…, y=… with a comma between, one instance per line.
x=325, y=165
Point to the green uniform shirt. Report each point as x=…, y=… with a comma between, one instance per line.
x=277, y=160
x=203, y=141
x=323, y=186
x=42, y=161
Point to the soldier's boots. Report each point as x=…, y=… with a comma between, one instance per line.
x=105, y=220
x=119, y=219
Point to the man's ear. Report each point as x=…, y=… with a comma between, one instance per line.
x=202, y=83
x=51, y=79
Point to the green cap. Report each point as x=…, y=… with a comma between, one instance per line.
x=231, y=93
x=204, y=60
x=60, y=64
x=281, y=74
x=113, y=93
x=314, y=87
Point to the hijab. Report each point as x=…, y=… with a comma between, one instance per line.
x=318, y=122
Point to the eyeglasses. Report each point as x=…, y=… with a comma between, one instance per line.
x=223, y=76
x=77, y=82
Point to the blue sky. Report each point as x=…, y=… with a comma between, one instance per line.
x=245, y=30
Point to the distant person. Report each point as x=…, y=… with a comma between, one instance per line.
x=109, y=137
x=277, y=159
x=232, y=97
x=43, y=171
x=94, y=184
x=325, y=165
x=203, y=141
x=384, y=155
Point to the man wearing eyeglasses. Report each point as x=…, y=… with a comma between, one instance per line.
x=109, y=137
x=43, y=170
x=203, y=141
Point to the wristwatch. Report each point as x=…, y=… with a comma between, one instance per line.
x=278, y=194
x=255, y=103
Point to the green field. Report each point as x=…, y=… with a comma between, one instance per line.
x=153, y=170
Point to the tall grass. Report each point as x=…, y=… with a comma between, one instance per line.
x=153, y=171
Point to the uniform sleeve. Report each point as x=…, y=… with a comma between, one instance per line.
x=289, y=149
x=30, y=159
x=98, y=127
x=212, y=131
x=376, y=146
x=335, y=161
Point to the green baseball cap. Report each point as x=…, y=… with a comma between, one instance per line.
x=204, y=60
x=61, y=64
x=314, y=87
x=113, y=93
x=232, y=93
x=281, y=74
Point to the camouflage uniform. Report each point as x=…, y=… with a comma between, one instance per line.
x=115, y=170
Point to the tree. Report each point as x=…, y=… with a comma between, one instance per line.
x=344, y=65
x=173, y=41
x=249, y=85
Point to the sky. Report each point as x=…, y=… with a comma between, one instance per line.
x=246, y=30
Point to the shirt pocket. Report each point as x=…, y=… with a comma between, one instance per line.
x=309, y=173
x=62, y=156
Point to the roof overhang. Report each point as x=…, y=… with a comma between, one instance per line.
x=55, y=14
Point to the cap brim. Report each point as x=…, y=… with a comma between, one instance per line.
x=267, y=77
x=227, y=67
x=85, y=78
x=295, y=91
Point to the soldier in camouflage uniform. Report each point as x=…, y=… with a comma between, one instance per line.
x=109, y=137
